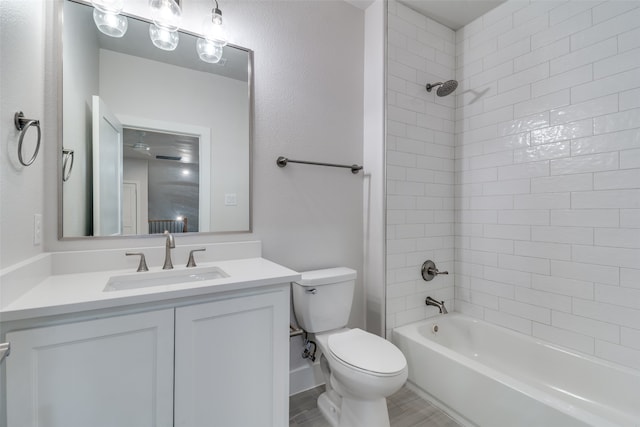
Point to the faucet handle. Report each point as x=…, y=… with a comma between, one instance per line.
x=429, y=270
x=435, y=271
x=142, y=266
x=192, y=261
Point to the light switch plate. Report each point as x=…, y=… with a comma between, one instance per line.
x=37, y=229
x=230, y=199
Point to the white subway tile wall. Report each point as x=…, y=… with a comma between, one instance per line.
x=568, y=199
x=525, y=182
x=420, y=164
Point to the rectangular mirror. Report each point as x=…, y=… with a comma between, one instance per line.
x=151, y=140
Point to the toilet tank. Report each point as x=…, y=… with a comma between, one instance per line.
x=322, y=298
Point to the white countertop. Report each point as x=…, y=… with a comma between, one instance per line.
x=71, y=293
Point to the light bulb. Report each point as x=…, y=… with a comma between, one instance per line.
x=163, y=39
x=109, y=6
x=209, y=51
x=213, y=29
x=109, y=23
x=166, y=14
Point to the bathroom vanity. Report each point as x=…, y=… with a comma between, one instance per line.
x=193, y=353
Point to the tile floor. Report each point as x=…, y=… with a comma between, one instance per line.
x=406, y=409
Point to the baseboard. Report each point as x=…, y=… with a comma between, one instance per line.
x=305, y=378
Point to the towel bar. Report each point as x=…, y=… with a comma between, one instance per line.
x=282, y=162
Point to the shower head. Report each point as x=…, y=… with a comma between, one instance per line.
x=445, y=88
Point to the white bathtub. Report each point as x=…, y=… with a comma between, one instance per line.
x=493, y=377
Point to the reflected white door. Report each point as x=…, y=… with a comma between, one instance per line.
x=107, y=171
x=130, y=208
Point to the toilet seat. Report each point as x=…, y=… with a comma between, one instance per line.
x=367, y=352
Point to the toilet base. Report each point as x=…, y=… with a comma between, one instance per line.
x=364, y=413
x=329, y=409
x=354, y=413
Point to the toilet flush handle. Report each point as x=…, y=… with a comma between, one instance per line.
x=312, y=291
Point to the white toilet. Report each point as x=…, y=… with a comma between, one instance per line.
x=361, y=369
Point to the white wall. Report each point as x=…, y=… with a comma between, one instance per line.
x=309, y=91
x=22, y=76
x=548, y=173
x=420, y=164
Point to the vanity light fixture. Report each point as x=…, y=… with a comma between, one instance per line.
x=163, y=31
x=210, y=46
x=106, y=15
x=166, y=15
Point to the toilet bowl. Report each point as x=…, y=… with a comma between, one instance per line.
x=361, y=369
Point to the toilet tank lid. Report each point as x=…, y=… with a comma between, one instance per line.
x=327, y=276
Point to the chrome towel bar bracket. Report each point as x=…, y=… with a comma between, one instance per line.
x=23, y=126
x=282, y=162
x=67, y=154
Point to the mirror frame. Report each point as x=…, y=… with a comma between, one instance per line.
x=58, y=28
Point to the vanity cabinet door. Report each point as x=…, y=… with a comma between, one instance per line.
x=114, y=371
x=232, y=362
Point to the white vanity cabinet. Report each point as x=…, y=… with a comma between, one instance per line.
x=115, y=371
x=230, y=368
x=232, y=362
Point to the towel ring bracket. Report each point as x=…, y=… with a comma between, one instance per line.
x=23, y=126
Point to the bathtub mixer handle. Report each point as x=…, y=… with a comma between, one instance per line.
x=429, y=270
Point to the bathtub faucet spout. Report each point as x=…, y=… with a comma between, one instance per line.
x=440, y=305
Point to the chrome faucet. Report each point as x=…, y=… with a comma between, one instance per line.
x=170, y=244
x=440, y=305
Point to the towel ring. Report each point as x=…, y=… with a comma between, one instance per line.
x=23, y=126
x=67, y=153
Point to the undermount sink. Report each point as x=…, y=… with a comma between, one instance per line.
x=171, y=277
